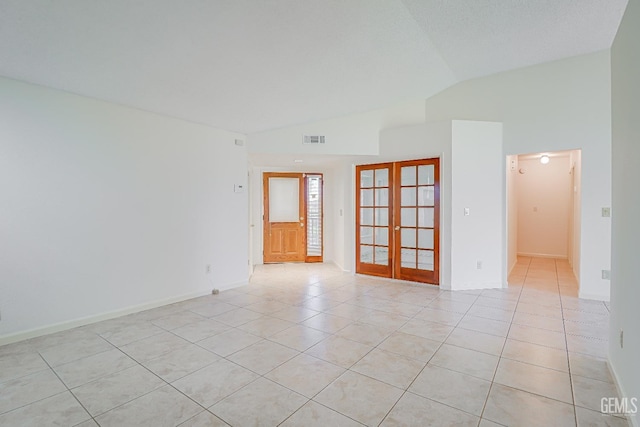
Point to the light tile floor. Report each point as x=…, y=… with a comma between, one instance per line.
x=306, y=345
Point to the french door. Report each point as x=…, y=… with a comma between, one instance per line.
x=397, y=225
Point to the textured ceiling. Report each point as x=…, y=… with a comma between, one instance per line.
x=252, y=65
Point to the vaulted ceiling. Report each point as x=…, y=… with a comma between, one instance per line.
x=252, y=65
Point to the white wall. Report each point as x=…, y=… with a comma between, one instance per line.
x=339, y=193
x=557, y=106
x=420, y=142
x=512, y=211
x=105, y=208
x=355, y=134
x=466, y=150
x=576, y=162
x=477, y=184
x=625, y=292
x=544, y=207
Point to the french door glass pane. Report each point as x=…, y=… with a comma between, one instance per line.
x=425, y=260
x=382, y=255
x=366, y=216
x=366, y=197
x=408, y=237
x=366, y=235
x=408, y=217
x=366, y=179
x=408, y=175
x=382, y=236
x=382, y=216
x=425, y=196
x=382, y=197
x=366, y=254
x=408, y=196
x=425, y=239
x=408, y=258
x=426, y=175
x=382, y=178
x=284, y=199
x=425, y=217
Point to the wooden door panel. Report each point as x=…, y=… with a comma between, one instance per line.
x=292, y=241
x=284, y=241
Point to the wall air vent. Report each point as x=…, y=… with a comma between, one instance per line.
x=313, y=139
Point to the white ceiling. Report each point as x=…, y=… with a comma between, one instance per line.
x=252, y=65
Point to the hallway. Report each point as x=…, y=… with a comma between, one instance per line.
x=305, y=345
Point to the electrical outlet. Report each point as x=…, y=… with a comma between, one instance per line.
x=479, y=265
x=621, y=338
x=606, y=274
x=606, y=212
x=208, y=268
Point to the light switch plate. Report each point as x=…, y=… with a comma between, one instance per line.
x=606, y=212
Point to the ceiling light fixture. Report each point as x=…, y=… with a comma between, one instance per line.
x=544, y=159
x=298, y=161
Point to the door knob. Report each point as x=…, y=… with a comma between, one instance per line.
x=302, y=224
x=397, y=228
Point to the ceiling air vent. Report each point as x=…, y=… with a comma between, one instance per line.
x=313, y=139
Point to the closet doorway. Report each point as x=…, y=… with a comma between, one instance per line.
x=398, y=220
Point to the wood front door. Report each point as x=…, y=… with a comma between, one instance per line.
x=284, y=216
x=397, y=225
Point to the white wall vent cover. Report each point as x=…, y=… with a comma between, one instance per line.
x=313, y=139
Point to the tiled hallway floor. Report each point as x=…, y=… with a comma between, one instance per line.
x=306, y=345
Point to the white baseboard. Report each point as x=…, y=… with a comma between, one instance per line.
x=476, y=286
x=534, y=255
x=510, y=269
x=74, y=323
x=596, y=297
x=635, y=422
x=340, y=267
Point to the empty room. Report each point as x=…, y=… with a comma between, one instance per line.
x=319, y=213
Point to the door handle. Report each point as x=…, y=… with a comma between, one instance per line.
x=302, y=224
x=397, y=228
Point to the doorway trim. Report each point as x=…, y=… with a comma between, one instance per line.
x=512, y=166
x=294, y=249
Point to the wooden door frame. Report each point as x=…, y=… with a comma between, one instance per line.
x=416, y=275
x=314, y=259
x=393, y=270
x=266, y=224
x=303, y=212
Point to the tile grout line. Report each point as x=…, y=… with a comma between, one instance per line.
x=566, y=343
x=505, y=341
x=68, y=390
x=425, y=366
x=356, y=295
